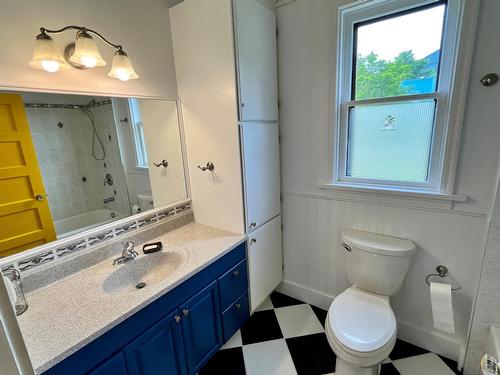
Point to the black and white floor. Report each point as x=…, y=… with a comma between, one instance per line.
x=286, y=336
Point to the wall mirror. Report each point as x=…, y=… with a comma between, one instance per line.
x=70, y=163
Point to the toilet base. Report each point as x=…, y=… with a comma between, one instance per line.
x=345, y=368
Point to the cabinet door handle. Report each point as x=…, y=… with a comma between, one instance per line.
x=177, y=319
x=253, y=240
x=39, y=197
x=236, y=273
x=238, y=306
x=185, y=312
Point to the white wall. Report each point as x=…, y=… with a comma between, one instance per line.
x=142, y=27
x=313, y=218
x=204, y=58
x=163, y=141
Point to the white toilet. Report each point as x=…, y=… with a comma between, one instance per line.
x=360, y=326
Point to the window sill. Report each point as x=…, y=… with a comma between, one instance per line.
x=395, y=192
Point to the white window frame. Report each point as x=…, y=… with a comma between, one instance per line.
x=137, y=130
x=445, y=143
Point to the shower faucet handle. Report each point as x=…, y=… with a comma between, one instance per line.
x=108, y=180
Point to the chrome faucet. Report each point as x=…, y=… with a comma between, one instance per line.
x=128, y=253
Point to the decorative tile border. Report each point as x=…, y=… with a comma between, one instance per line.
x=8, y=268
x=183, y=207
x=79, y=244
x=147, y=220
x=100, y=237
x=127, y=228
x=166, y=213
x=67, y=106
x=36, y=261
x=72, y=247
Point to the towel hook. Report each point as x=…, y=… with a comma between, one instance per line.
x=442, y=271
x=210, y=167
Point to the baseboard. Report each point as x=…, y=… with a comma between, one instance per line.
x=303, y=293
x=432, y=341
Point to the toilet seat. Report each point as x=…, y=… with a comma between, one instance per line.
x=361, y=327
x=362, y=322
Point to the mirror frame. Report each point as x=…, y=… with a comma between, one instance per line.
x=39, y=251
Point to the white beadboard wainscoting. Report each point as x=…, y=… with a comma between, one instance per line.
x=315, y=268
x=313, y=217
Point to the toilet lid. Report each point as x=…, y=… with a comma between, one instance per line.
x=361, y=321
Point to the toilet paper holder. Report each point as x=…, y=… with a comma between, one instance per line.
x=442, y=271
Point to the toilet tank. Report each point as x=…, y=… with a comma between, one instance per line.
x=377, y=263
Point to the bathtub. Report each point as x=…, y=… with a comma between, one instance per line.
x=88, y=220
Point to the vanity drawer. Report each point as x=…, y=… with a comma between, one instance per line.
x=234, y=317
x=233, y=284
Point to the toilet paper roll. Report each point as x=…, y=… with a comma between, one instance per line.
x=135, y=209
x=10, y=290
x=442, y=308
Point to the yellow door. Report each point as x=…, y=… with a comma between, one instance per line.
x=25, y=219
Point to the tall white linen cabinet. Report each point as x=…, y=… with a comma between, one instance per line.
x=225, y=61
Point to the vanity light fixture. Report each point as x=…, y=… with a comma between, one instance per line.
x=83, y=54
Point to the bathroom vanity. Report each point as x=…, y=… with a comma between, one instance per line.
x=100, y=321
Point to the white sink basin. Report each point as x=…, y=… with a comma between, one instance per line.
x=148, y=269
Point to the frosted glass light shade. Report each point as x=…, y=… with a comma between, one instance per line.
x=46, y=56
x=121, y=67
x=86, y=52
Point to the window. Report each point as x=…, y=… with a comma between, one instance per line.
x=396, y=67
x=141, y=157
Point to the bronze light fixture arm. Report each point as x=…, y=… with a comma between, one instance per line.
x=82, y=54
x=81, y=29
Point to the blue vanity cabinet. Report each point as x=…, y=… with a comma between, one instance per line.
x=233, y=284
x=114, y=365
x=157, y=351
x=235, y=315
x=201, y=327
x=177, y=333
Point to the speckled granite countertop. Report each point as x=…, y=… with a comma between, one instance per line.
x=67, y=315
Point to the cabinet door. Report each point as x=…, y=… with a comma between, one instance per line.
x=265, y=261
x=261, y=165
x=114, y=365
x=201, y=327
x=255, y=35
x=157, y=351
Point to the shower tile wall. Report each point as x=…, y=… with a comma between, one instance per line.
x=65, y=158
x=487, y=309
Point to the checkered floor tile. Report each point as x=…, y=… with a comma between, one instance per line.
x=286, y=336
